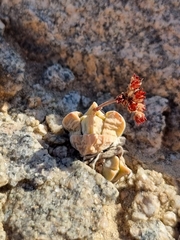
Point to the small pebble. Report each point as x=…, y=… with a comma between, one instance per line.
x=41, y=129
x=169, y=218
x=54, y=123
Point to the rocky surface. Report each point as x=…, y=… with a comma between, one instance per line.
x=60, y=56
x=44, y=196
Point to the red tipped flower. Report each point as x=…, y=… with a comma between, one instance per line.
x=133, y=99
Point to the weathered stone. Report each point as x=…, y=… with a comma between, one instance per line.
x=3, y=199
x=12, y=68
x=146, y=204
x=102, y=43
x=69, y=202
x=3, y=171
x=169, y=218
x=58, y=77
x=69, y=102
x=54, y=123
x=2, y=27
x=151, y=230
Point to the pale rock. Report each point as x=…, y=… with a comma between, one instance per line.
x=5, y=107
x=54, y=123
x=65, y=202
x=143, y=181
x=41, y=129
x=163, y=197
x=139, y=216
x=2, y=233
x=169, y=218
x=20, y=118
x=146, y=203
x=31, y=121
x=92, y=39
x=3, y=179
x=150, y=229
x=3, y=199
x=170, y=191
x=3, y=171
x=175, y=202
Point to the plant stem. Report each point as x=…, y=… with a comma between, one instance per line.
x=105, y=104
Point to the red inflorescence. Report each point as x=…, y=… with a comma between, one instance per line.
x=133, y=99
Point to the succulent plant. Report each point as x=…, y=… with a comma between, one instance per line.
x=98, y=136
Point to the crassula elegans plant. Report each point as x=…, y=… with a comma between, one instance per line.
x=98, y=136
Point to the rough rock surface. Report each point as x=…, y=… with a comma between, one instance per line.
x=11, y=69
x=60, y=56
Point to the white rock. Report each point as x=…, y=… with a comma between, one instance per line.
x=176, y=201
x=169, y=218
x=139, y=216
x=41, y=129
x=143, y=180
x=146, y=203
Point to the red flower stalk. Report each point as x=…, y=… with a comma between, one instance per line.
x=133, y=99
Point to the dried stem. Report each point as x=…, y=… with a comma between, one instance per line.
x=105, y=104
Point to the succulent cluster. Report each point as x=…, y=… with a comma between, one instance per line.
x=98, y=136
x=133, y=99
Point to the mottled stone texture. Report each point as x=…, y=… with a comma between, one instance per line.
x=11, y=70
x=102, y=43
x=105, y=41
x=60, y=56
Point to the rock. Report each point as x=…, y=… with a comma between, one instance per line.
x=54, y=140
x=145, y=204
x=69, y=102
x=102, y=43
x=31, y=121
x=5, y=107
x=2, y=27
x=75, y=194
x=12, y=68
x=145, y=208
x=176, y=202
x=151, y=230
x=3, y=171
x=69, y=202
x=169, y=218
x=152, y=131
x=143, y=182
x=3, y=199
x=34, y=102
x=60, y=151
x=96, y=40
x=172, y=136
x=58, y=77
x=54, y=123
x=41, y=129
x=85, y=101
